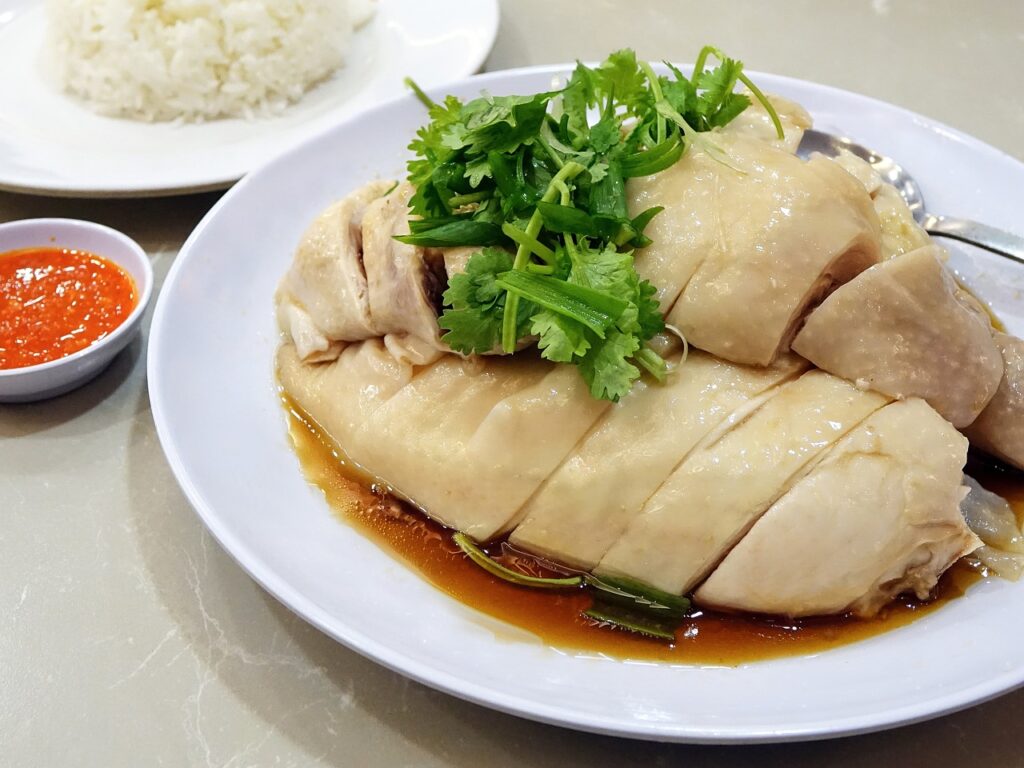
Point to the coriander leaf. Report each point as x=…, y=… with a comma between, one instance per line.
x=604, y=135
x=649, y=318
x=559, y=338
x=497, y=123
x=476, y=304
x=578, y=95
x=620, y=77
x=717, y=84
x=733, y=105
x=606, y=367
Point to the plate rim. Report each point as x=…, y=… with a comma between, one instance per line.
x=463, y=687
x=489, y=14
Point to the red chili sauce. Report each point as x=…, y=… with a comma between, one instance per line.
x=56, y=301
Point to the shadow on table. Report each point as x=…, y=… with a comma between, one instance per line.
x=20, y=419
x=328, y=700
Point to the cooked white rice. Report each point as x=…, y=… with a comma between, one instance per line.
x=195, y=59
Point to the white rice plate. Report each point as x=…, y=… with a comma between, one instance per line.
x=195, y=59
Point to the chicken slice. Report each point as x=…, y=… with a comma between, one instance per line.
x=708, y=503
x=322, y=299
x=470, y=441
x=341, y=395
x=588, y=501
x=999, y=430
x=405, y=282
x=880, y=515
x=748, y=241
x=902, y=328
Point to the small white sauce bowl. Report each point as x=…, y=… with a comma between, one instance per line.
x=37, y=382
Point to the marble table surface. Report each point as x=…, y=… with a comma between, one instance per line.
x=130, y=639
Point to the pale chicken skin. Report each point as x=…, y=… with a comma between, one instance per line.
x=999, y=429
x=709, y=502
x=585, y=505
x=742, y=250
x=936, y=345
x=895, y=527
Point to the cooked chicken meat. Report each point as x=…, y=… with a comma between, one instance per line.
x=586, y=503
x=710, y=501
x=902, y=328
x=894, y=527
x=999, y=429
x=746, y=244
x=765, y=486
x=323, y=298
x=405, y=282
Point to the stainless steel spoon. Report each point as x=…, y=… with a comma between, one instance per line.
x=991, y=239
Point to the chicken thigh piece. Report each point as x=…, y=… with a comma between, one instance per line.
x=904, y=328
x=880, y=515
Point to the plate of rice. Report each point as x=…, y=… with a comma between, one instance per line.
x=133, y=98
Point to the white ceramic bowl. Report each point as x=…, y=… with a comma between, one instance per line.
x=36, y=382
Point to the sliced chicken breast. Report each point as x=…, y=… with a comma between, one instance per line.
x=880, y=515
x=748, y=241
x=341, y=395
x=999, y=430
x=904, y=329
x=470, y=441
x=710, y=501
x=584, y=506
x=323, y=297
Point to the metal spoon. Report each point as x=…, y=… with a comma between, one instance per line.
x=991, y=239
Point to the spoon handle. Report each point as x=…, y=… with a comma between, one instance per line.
x=991, y=239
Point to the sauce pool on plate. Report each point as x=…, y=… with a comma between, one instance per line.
x=57, y=301
x=707, y=637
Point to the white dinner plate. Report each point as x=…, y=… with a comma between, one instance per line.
x=51, y=144
x=214, y=401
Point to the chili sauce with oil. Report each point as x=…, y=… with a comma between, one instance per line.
x=57, y=301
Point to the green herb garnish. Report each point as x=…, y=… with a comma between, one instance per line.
x=495, y=568
x=539, y=182
x=620, y=602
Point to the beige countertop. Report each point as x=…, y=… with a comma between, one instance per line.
x=130, y=639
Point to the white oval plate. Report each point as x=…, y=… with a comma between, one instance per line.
x=50, y=144
x=214, y=401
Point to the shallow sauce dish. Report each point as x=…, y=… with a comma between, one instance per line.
x=216, y=408
x=49, y=379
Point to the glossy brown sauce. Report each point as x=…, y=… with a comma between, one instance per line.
x=556, y=617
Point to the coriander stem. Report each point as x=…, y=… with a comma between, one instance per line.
x=510, y=318
x=658, y=96
x=769, y=107
x=523, y=240
x=424, y=99
x=702, y=58
x=550, y=152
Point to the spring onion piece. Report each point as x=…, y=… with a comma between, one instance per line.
x=495, y=568
x=617, y=616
